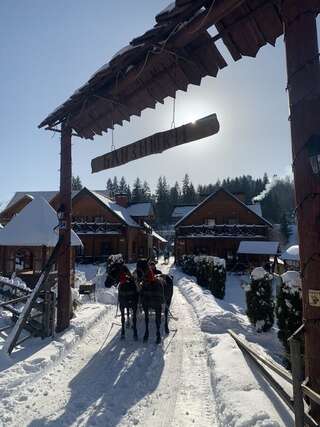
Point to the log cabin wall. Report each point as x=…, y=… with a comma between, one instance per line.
x=224, y=209
x=217, y=226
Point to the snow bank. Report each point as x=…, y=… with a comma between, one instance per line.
x=212, y=316
x=15, y=374
x=242, y=397
x=241, y=400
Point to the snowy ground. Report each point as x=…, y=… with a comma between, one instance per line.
x=196, y=377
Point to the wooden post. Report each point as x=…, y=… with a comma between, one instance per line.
x=64, y=258
x=304, y=97
x=297, y=377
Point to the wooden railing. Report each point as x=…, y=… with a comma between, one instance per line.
x=295, y=401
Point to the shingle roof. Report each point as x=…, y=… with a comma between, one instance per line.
x=181, y=211
x=177, y=51
x=258, y=248
x=117, y=209
x=141, y=209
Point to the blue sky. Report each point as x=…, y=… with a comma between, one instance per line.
x=49, y=48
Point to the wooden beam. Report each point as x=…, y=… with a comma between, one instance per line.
x=157, y=143
x=303, y=69
x=64, y=258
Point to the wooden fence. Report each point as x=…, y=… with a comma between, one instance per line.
x=295, y=400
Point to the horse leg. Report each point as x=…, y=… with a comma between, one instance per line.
x=134, y=321
x=158, y=324
x=146, y=318
x=128, y=318
x=122, y=322
x=166, y=312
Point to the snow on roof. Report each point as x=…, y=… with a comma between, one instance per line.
x=291, y=254
x=256, y=208
x=258, y=248
x=157, y=236
x=140, y=209
x=120, y=211
x=35, y=225
x=181, y=211
x=47, y=195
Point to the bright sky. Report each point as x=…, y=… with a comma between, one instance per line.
x=49, y=48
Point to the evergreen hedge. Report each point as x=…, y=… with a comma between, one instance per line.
x=289, y=306
x=260, y=304
x=210, y=272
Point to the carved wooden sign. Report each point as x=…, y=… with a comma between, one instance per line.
x=157, y=143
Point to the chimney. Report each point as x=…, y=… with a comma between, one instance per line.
x=122, y=199
x=241, y=196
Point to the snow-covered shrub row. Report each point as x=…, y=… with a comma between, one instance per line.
x=210, y=272
x=260, y=304
x=289, y=306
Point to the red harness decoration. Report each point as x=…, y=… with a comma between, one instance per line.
x=122, y=278
x=150, y=276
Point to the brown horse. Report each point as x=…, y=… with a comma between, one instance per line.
x=128, y=295
x=156, y=290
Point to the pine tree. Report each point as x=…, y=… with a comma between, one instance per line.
x=137, y=193
x=109, y=188
x=289, y=307
x=175, y=194
x=260, y=304
x=163, y=206
x=284, y=227
x=115, y=185
x=146, y=192
x=185, y=188
x=122, y=185
x=76, y=184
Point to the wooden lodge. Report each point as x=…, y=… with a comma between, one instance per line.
x=218, y=224
x=104, y=226
x=28, y=240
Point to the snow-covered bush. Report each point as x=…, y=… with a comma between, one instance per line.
x=210, y=272
x=115, y=259
x=188, y=265
x=260, y=304
x=289, y=306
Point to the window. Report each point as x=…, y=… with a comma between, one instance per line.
x=233, y=221
x=211, y=221
x=23, y=260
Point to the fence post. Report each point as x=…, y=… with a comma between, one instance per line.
x=297, y=378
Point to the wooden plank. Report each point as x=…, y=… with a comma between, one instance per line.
x=23, y=318
x=311, y=394
x=272, y=365
x=157, y=143
x=14, y=301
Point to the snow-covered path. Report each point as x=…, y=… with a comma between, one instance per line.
x=109, y=382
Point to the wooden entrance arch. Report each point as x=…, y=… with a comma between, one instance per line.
x=177, y=51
